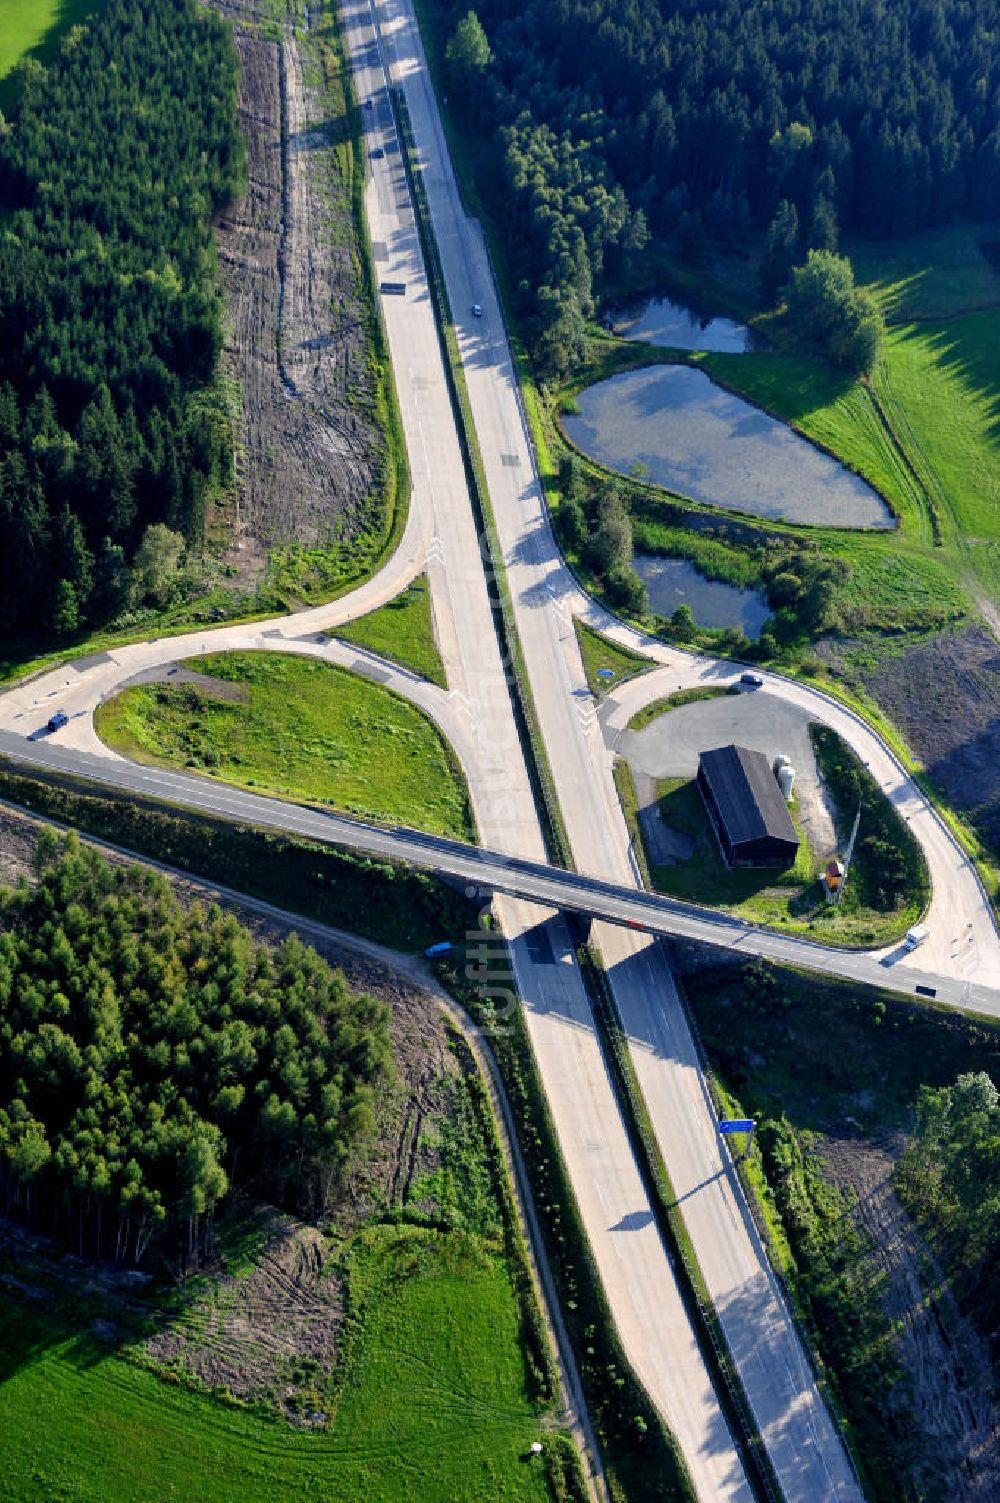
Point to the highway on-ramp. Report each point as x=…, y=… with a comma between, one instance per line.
x=491, y=871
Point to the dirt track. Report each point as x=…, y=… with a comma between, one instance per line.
x=297, y=339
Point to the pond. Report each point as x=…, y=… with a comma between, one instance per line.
x=689, y=435
x=676, y=327
x=675, y=581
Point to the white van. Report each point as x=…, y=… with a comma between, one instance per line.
x=917, y=935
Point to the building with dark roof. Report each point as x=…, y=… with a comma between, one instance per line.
x=745, y=805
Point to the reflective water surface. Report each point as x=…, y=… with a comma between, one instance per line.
x=676, y=327
x=675, y=581
x=687, y=434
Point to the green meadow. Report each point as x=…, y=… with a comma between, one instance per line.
x=300, y=728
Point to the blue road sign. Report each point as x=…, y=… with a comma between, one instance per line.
x=737, y=1124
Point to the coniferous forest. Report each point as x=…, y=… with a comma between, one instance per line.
x=712, y=120
x=114, y=161
x=151, y=1057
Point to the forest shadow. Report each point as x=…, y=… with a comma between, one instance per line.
x=967, y=349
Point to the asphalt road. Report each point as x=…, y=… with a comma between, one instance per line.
x=476, y=714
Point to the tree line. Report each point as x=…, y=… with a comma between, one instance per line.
x=707, y=119
x=111, y=417
x=151, y=1057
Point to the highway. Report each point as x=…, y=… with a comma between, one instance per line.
x=803, y=1445
x=476, y=714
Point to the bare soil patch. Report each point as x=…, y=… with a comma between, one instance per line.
x=298, y=340
x=945, y=1408
x=944, y=694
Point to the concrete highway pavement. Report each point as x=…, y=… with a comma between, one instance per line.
x=805, y=1450
x=507, y=819
x=476, y=714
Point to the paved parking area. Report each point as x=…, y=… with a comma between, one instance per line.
x=670, y=746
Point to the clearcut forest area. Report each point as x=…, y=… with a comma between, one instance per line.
x=353, y=1309
x=312, y=457
x=220, y=439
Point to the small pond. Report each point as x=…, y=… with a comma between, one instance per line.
x=694, y=438
x=676, y=327
x=675, y=581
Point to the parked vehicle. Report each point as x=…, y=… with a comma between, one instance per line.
x=57, y=720
x=477, y=310
x=751, y=680
x=443, y=947
x=917, y=935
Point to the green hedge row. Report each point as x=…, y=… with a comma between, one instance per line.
x=391, y=904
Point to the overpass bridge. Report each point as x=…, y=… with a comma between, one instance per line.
x=485, y=872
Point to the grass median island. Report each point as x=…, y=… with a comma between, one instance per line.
x=659, y=707
x=300, y=728
x=605, y=663
x=402, y=631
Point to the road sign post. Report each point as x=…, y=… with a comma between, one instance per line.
x=735, y=1125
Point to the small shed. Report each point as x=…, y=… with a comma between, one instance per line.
x=746, y=808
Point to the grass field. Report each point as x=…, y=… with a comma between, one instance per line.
x=303, y=729
x=402, y=631
x=658, y=707
x=605, y=664
x=433, y=1403
x=26, y=25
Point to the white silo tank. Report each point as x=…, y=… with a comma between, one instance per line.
x=786, y=781
x=781, y=761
